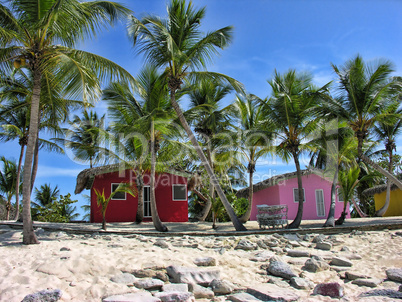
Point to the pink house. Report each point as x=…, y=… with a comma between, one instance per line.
x=282, y=190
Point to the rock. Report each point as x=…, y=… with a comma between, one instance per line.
x=221, y=287
x=162, y=243
x=124, y=278
x=65, y=249
x=323, y=245
x=338, y=261
x=150, y=273
x=268, y=292
x=314, y=266
x=400, y=288
x=39, y=232
x=180, y=274
x=369, y=282
x=262, y=244
x=242, y=297
x=353, y=276
x=61, y=234
x=44, y=296
x=246, y=245
x=390, y=293
x=132, y=297
x=345, y=249
x=175, y=296
x=352, y=256
x=205, y=261
x=278, y=281
x=201, y=292
x=277, y=250
x=107, y=238
x=262, y=256
x=148, y=284
x=291, y=237
x=301, y=283
x=394, y=274
x=175, y=287
x=308, y=237
x=298, y=253
x=333, y=290
x=279, y=268
x=319, y=238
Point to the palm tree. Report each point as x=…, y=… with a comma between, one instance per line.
x=255, y=139
x=8, y=182
x=85, y=136
x=40, y=36
x=151, y=116
x=334, y=151
x=45, y=195
x=208, y=120
x=365, y=91
x=291, y=113
x=177, y=45
x=388, y=132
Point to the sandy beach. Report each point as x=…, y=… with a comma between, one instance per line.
x=83, y=266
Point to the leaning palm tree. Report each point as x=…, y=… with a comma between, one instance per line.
x=209, y=120
x=254, y=138
x=388, y=132
x=39, y=35
x=177, y=45
x=291, y=114
x=8, y=182
x=365, y=90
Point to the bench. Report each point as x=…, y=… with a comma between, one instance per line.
x=272, y=216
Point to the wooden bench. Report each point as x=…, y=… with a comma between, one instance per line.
x=272, y=216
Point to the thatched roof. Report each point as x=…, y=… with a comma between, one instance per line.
x=86, y=177
x=379, y=189
x=269, y=182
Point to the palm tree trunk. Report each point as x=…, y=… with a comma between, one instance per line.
x=382, y=211
x=104, y=223
x=359, y=211
x=35, y=163
x=8, y=207
x=384, y=172
x=207, y=207
x=159, y=226
x=236, y=223
x=17, y=184
x=199, y=194
x=297, y=221
x=139, y=217
x=29, y=236
x=246, y=216
x=331, y=214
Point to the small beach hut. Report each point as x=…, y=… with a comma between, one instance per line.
x=282, y=190
x=395, y=201
x=170, y=193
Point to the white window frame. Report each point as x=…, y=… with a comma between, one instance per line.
x=338, y=195
x=145, y=202
x=294, y=195
x=323, y=202
x=185, y=195
x=111, y=191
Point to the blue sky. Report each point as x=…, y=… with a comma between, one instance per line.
x=268, y=34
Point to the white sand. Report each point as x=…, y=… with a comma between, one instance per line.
x=83, y=273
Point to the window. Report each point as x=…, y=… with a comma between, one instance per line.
x=296, y=195
x=147, y=201
x=340, y=195
x=179, y=192
x=118, y=195
x=319, y=200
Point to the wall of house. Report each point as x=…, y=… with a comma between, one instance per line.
x=125, y=210
x=282, y=193
x=395, y=202
x=268, y=196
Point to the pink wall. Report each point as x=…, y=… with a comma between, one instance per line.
x=125, y=210
x=283, y=193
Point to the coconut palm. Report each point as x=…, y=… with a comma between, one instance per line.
x=254, y=138
x=332, y=151
x=151, y=116
x=85, y=136
x=45, y=195
x=365, y=90
x=208, y=120
x=388, y=132
x=291, y=114
x=177, y=45
x=39, y=35
x=8, y=182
